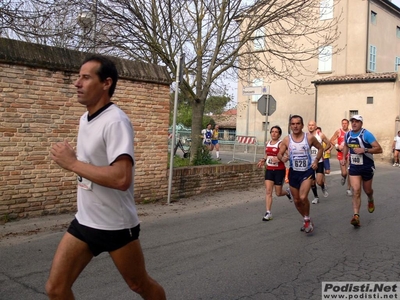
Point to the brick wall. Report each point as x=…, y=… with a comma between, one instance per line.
x=190, y=181
x=38, y=108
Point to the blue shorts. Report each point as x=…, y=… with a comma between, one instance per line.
x=103, y=240
x=277, y=176
x=296, y=178
x=214, y=142
x=366, y=173
x=327, y=164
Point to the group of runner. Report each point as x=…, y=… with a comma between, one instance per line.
x=210, y=138
x=305, y=151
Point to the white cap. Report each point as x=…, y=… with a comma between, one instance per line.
x=357, y=117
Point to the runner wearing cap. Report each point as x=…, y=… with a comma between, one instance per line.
x=361, y=144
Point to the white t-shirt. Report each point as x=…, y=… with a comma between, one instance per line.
x=100, y=142
x=397, y=140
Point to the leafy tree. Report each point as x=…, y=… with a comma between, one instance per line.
x=216, y=104
x=270, y=39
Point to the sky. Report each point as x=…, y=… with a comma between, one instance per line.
x=397, y=2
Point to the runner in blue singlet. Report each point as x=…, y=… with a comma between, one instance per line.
x=361, y=144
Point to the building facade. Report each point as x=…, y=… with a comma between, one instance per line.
x=358, y=75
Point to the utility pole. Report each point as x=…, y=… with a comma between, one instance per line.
x=178, y=80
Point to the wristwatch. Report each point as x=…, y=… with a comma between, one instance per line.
x=365, y=150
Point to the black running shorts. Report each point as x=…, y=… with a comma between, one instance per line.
x=103, y=240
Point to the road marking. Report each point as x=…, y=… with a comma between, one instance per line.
x=333, y=173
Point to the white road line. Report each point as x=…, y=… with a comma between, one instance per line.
x=333, y=173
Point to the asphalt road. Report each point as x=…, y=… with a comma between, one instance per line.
x=216, y=247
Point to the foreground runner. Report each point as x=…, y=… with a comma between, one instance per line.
x=302, y=168
x=106, y=220
x=274, y=171
x=361, y=144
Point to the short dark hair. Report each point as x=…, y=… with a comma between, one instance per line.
x=346, y=120
x=277, y=127
x=107, y=69
x=297, y=117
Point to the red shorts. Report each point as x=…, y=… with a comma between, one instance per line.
x=340, y=155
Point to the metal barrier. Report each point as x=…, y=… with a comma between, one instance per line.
x=244, y=140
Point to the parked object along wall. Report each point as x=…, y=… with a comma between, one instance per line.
x=38, y=107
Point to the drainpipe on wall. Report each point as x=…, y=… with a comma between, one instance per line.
x=367, y=45
x=397, y=120
x=316, y=103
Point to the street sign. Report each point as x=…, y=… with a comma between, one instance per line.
x=262, y=105
x=255, y=90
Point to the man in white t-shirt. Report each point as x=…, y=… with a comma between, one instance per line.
x=396, y=149
x=106, y=220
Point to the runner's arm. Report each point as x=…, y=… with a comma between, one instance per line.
x=345, y=150
x=328, y=145
x=376, y=148
x=370, y=138
x=334, y=137
x=283, y=147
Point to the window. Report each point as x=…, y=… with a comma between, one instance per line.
x=353, y=113
x=372, y=58
x=256, y=82
x=326, y=10
x=398, y=32
x=396, y=64
x=259, y=39
x=373, y=17
x=370, y=100
x=231, y=134
x=325, y=59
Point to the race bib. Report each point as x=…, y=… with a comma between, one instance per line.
x=84, y=183
x=356, y=159
x=314, y=151
x=300, y=163
x=270, y=163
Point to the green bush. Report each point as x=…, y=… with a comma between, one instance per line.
x=203, y=157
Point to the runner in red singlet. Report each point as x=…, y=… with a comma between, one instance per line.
x=274, y=171
x=337, y=140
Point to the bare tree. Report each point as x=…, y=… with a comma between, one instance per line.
x=270, y=39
